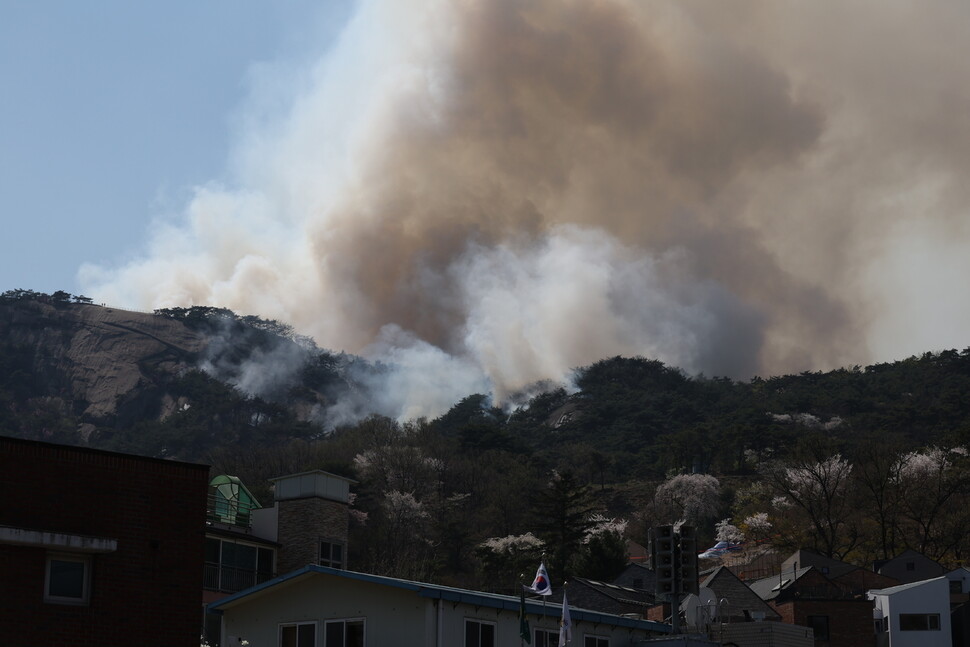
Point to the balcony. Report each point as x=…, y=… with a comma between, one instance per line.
x=228, y=579
x=231, y=512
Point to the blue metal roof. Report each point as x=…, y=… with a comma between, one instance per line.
x=435, y=591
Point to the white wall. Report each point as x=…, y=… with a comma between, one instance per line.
x=931, y=597
x=392, y=616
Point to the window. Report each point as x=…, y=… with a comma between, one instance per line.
x=919, y=621
x=546, y=638
x=298, y=634
x=480, y=634
x=820, y=626
x=331, y=554
x=67, y=579
x=596, y=641
x=231, y=566
x=910, y=566
x=344, y=633
x=956, y=586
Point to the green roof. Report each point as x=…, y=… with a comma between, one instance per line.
x=230, y=501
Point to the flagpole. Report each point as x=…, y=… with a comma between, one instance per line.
x=521, y=593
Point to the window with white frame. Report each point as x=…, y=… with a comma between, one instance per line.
x=479, y=633
x=546, y=638
x=67, y=579
x=298, y=634
x=344, y=633
x=331, y=554
x=919, y=621
x=595, y=641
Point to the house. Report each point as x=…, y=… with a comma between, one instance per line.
x=916, y=614
x=736, y=601
x=910, y=566
x=246, y=544
x=827, y=566
x=838, y=616
x=959, y=579
x=99, y=548
x=604, y=597
x=357, y=609
x=637, y=575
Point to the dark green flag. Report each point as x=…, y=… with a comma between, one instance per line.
x=523, y=621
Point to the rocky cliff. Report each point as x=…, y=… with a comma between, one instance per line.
x=105, y=365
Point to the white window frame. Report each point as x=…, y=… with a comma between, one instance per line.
x=927, y=616
x=298, y=624
x=329, y=560
x=597, y=638
x=552, y=636
x=479, y=621
x=361, y=620
x=85, y=598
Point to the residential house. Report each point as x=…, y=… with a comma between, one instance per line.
x=637, y=575
x=317, y=604
x=827, y=566
x=910, y=566
x=806, y=597
x=99, y=548
x=916, y=614
x=246, y=544
x=604, y=597
x=736, y=601
x=959, y=584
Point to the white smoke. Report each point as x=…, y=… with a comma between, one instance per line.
x=490, y=194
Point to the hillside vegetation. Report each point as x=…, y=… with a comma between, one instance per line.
x=858, y=463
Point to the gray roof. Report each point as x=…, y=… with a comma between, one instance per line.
x=905, y=587
x=831, y=568
x=435, y=591
x=739, y=596
x=768, y=588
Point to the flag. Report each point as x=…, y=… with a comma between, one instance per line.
x=565, y=623
x=540, y=585
x=523, y=621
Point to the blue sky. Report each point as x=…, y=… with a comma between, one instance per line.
x=111, y=111
x=503, y=190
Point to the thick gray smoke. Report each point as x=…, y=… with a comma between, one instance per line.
x=492, y=193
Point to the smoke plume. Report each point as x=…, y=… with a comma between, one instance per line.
x=493, y=193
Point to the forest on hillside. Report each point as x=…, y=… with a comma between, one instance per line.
x=858, y=463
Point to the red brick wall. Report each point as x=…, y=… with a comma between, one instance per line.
x=850, y=621
x=148, y=592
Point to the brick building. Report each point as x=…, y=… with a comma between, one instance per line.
x=836, y=609
x=99, y=548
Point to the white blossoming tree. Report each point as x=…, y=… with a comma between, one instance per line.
x=819, y=489
x=687, y=498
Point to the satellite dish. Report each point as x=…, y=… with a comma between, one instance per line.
x=693, y=613
x=708, y=603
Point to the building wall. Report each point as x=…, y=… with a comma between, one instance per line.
x=404, y=618
x=861, y=580
x=932, y=597
x=762, y=634
x=850, y=621
x=911, y=567
x=393, y=616
x=147, y=591
x=303, y=524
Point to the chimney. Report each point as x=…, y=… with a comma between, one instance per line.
x=313, y=519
